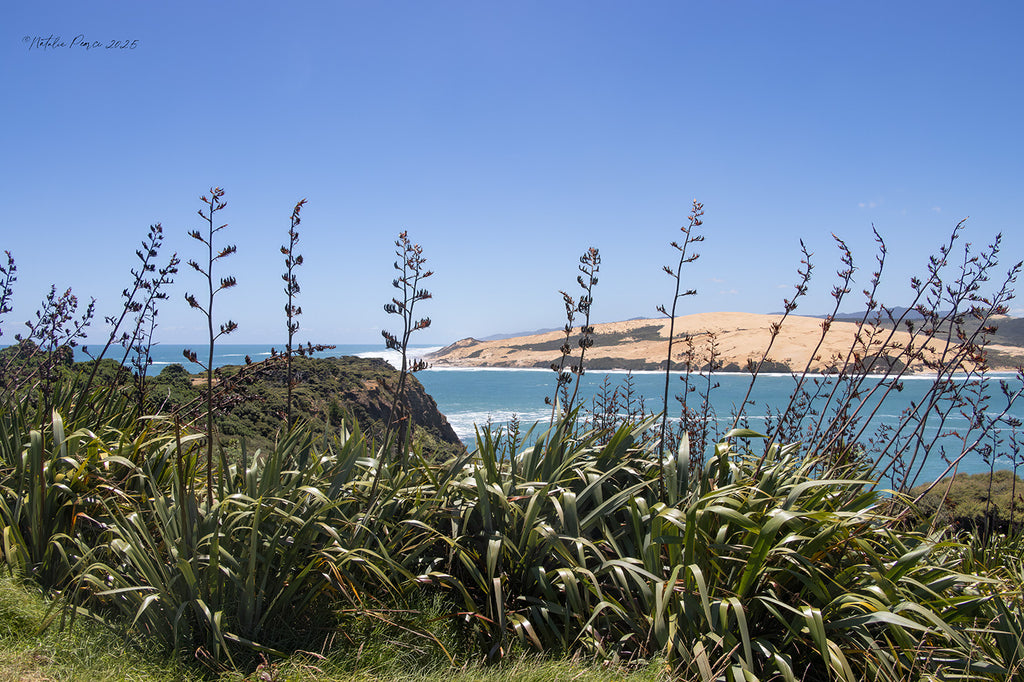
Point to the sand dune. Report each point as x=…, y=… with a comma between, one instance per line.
x=737, y=338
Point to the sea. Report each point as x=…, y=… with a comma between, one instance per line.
x=472, y=399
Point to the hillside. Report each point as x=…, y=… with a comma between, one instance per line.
x=642, y=344
x=327, y=391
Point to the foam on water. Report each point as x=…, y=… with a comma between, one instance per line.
x=465, y=423
x=394, y=357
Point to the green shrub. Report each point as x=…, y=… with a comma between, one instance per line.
x=973, y=501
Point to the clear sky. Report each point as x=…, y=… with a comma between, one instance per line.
x=506, y=137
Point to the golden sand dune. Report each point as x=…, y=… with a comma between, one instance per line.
x=737, y=338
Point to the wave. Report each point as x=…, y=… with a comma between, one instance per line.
x=394, y=357
x=466, y=423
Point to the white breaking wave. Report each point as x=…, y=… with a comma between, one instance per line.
x=465, y=423
x=394, y=357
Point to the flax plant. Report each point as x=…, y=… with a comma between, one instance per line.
x=789, y=305
x=38, y=504
x=139, y=342
x=614, y=407
x=562, y=373
x=754, y=568
x=833, y=413
x=698, y=378
x=690, y=239
x=779, y=563
x=791, y=414
x=144, y=285
x=590, y=264
x=214, y=204
x=8, y=276
x=58, y=333
x=218, y=579
x=604, y=406
x=867, y=324
x=958, y=368
x=291, y=290
x=55, y=479
x=565, y=369
x=411, y=266
x=1015, y=453
x=288, y=543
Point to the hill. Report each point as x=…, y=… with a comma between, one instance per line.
x=327, y=391
x=641, y=344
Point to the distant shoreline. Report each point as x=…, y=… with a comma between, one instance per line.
x=730, y=339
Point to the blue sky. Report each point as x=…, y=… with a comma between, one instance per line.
x=507, y=138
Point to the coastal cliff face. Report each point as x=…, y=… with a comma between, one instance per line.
x=369, y=398
x=734, y=339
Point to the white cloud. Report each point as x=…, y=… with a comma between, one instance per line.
x=717, y=280
x=868, y=204
x=730, y=292
x=937, y=209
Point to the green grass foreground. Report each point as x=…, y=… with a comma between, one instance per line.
x=29, y=650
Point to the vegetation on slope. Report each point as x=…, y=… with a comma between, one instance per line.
x=976, y=502
x=325, y=391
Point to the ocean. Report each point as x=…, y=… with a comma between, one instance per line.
x=472, y=398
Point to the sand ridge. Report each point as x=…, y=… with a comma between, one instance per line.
x=642, y=344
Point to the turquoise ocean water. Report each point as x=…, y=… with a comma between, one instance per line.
x=474, y=397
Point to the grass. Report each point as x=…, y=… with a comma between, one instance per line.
x=522, y=669
x=86, y=651
x=91, y=651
